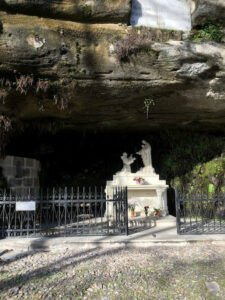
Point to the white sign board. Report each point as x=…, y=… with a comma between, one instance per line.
x=25, y=206
x=164, y=14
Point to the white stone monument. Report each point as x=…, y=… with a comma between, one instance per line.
x=149, y=190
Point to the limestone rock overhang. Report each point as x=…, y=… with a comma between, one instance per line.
x=90, y=11
x=79, y=62
x=105, y=11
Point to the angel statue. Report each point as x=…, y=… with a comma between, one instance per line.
x=145, y=153
x=127, y=161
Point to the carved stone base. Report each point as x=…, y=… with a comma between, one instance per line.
x=151, y=193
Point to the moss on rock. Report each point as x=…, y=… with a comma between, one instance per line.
x=86, y=11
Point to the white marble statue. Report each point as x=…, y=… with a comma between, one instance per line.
x=151, y=193
x=145, y=153
x=127, y=161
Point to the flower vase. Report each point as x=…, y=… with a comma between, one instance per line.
x=138, y=182
x=158, y=214
x=132, y=214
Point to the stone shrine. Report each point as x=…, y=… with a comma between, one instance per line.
x=144, y=187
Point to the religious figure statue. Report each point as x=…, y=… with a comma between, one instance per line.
x=145, y=154
x=127, y=161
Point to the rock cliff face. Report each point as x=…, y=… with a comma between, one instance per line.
x=82, y=63
x=103, y=11
x=209, y=10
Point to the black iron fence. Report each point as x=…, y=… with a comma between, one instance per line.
x=200, y=213
x=63, y=212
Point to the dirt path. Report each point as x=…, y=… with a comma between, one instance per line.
x=153, y=273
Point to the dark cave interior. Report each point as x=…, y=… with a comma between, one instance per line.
x=71, y=158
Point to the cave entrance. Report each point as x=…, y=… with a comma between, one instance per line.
x=164, y=14
x=70, y=158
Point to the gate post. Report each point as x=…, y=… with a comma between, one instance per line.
x=177, y=209
x=126, y=211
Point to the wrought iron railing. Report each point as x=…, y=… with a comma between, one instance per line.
x=63, y=212
x=200, y=213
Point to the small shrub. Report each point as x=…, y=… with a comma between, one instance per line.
x=61, y=102
x=42, y=85
x=5, y=123
x=147, y=104
x=23, y=83
x=133, y=43
x=86, y=11
x=3, y=96
x=209, y=31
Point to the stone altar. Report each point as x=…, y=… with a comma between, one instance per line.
x=151, y=191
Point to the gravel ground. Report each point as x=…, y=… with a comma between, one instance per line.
x=194, y=271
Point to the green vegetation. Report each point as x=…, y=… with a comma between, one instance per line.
x=33, y=32
x=209, y=31
x=208, y=176
x=180, y=152
x=86, y=11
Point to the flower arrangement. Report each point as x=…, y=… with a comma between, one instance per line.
x=131, y=207
x=139, y=180
x=157, y=212
x=146, y=208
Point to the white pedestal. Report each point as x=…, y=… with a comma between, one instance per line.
x=151, y=193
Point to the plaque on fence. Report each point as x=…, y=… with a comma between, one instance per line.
x=25, y=206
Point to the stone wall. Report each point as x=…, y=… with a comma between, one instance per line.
x=21, y=173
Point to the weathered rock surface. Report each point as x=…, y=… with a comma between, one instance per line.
x=104, y=11
x=79, y=64
x=213, y=287
x=209, y=10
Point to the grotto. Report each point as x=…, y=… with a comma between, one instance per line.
x=81, y=83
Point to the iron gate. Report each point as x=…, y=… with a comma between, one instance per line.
x=63, y=212
x=200, y=213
